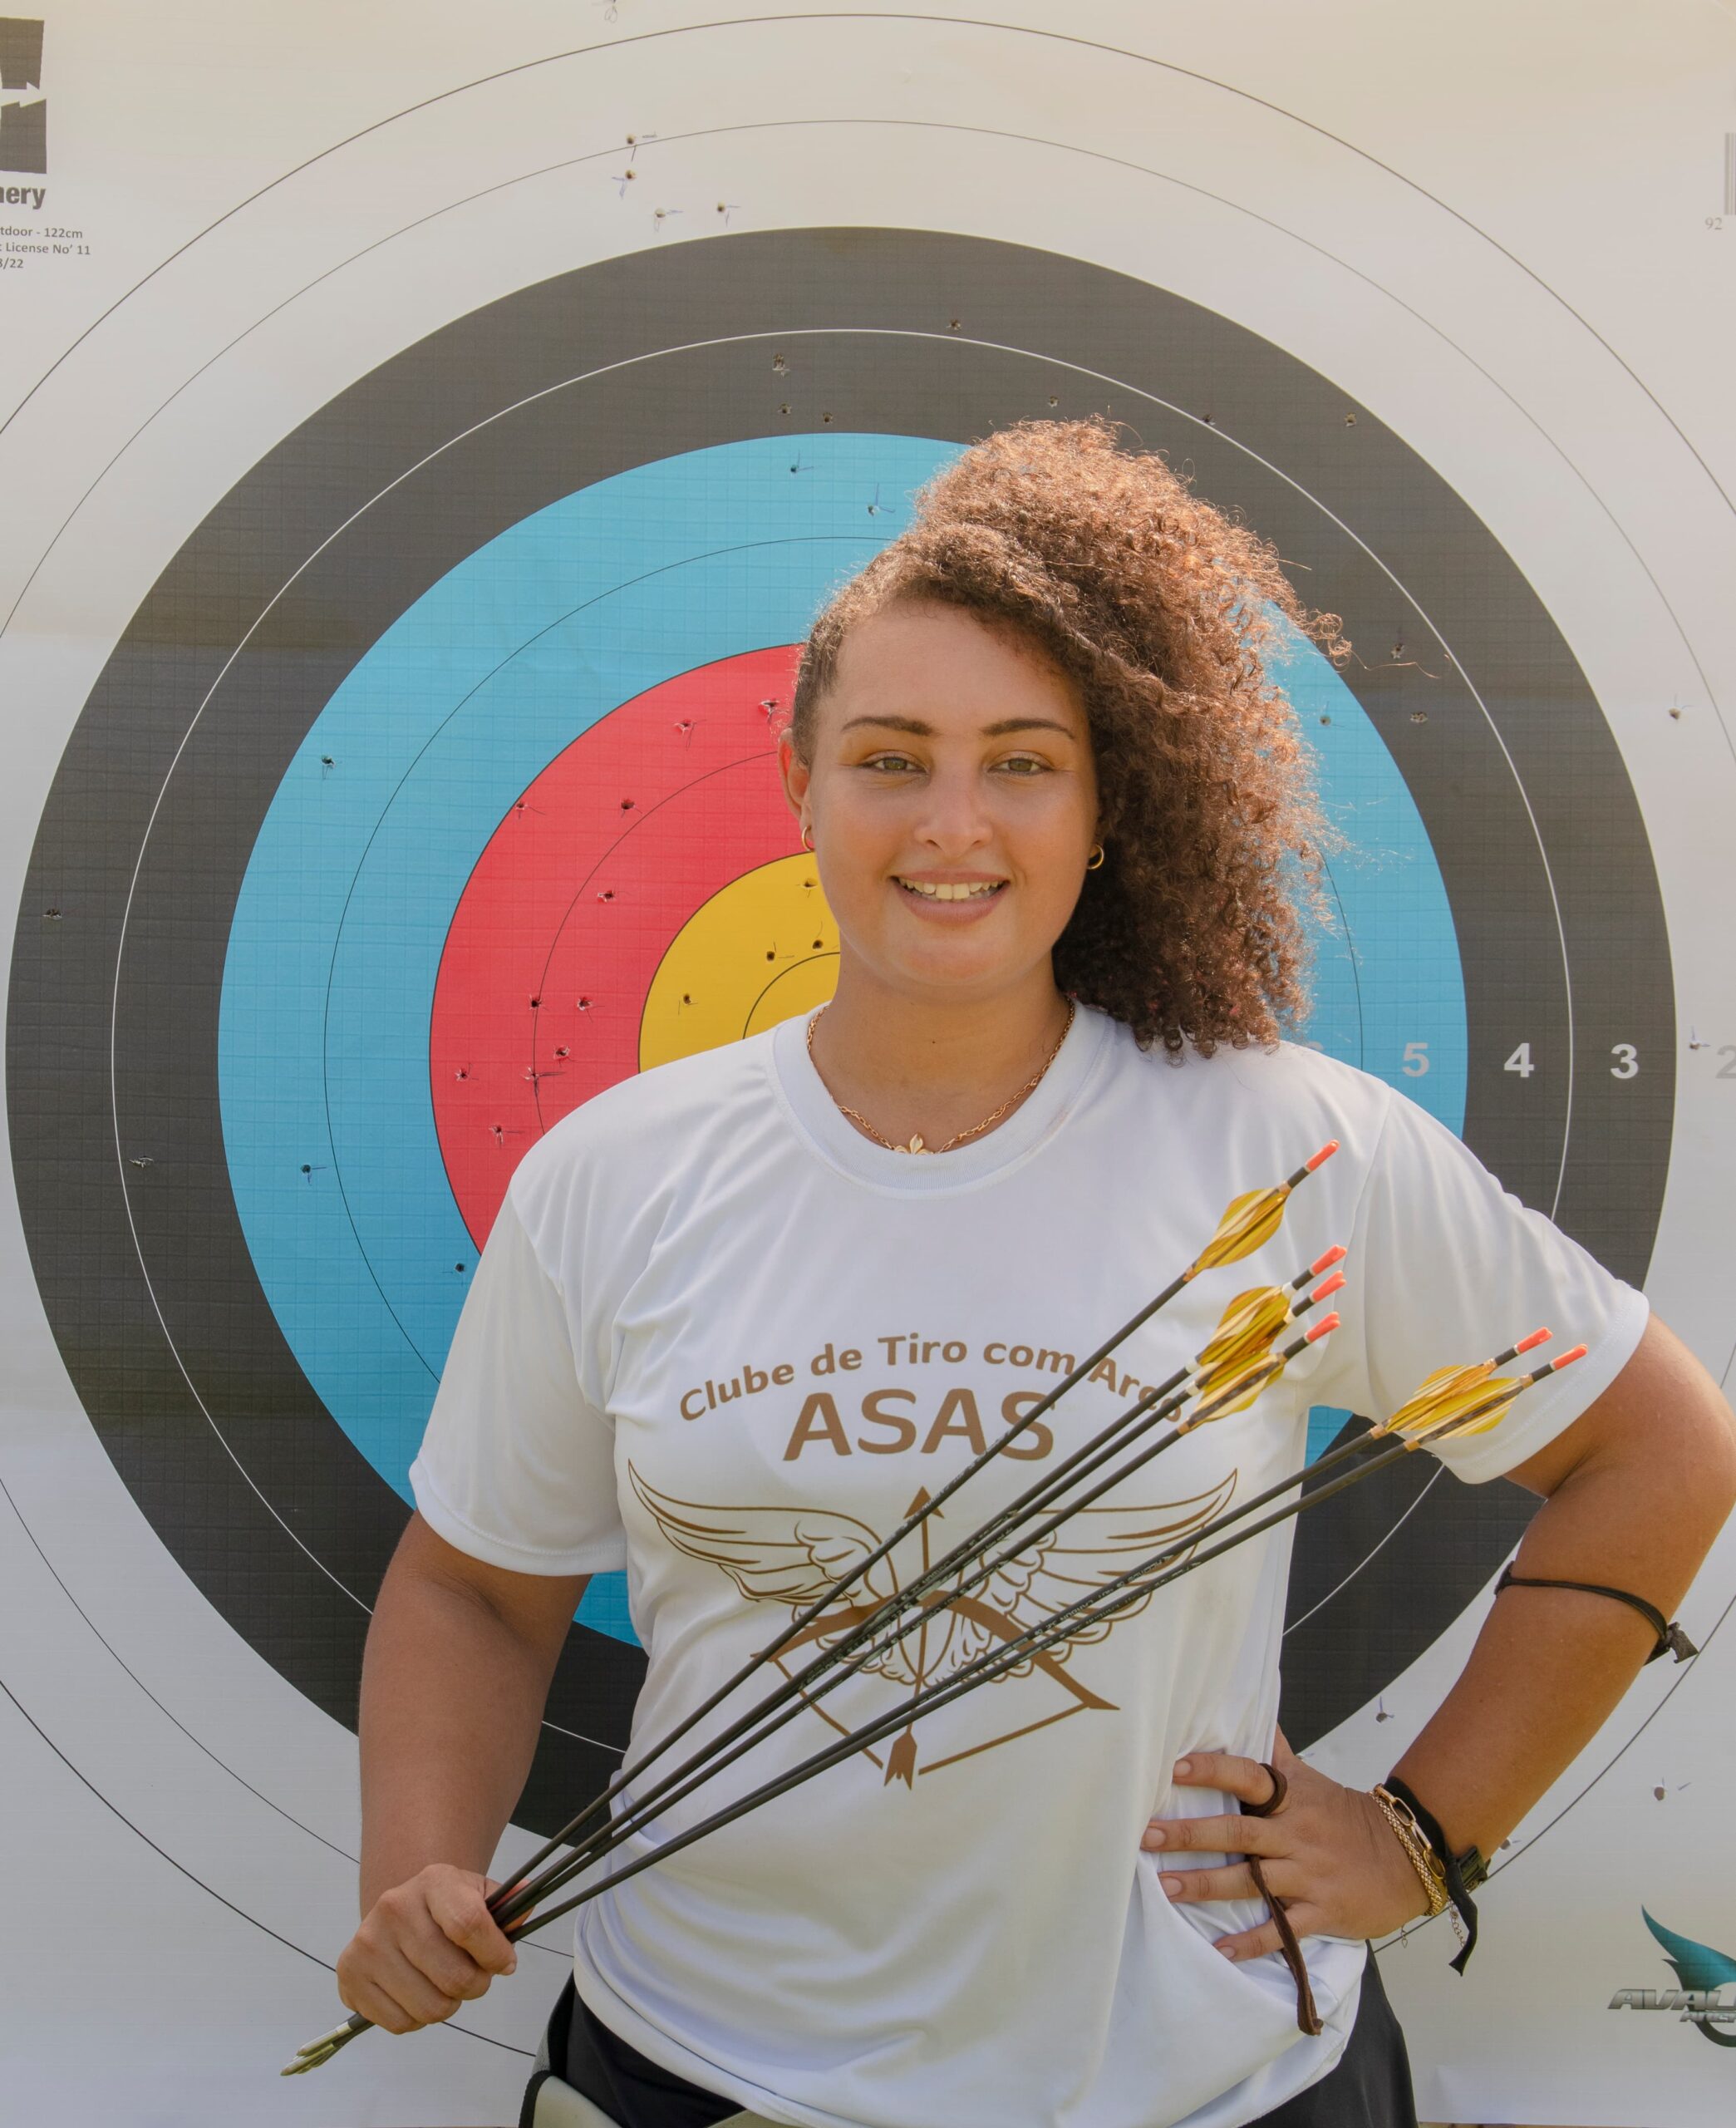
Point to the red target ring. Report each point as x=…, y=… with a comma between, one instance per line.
x=577, y=897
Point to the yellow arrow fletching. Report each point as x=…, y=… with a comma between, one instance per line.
x=1489, y=1407
x=1247, y=1222
x=1438, y=1396
x=1232, y=1388
x=1246, y=1327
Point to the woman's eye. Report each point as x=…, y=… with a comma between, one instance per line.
x=1024, y=765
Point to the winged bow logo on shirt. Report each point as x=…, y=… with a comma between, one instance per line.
x=789, y=1555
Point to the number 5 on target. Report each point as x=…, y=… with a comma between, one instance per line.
x=1416, y=1059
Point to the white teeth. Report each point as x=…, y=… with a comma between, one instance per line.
x=947, y=890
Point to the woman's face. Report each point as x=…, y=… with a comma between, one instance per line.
x=951, y=801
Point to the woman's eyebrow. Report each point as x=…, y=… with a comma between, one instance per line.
x=915, y=725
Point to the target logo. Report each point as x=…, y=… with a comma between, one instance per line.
x=23, y=107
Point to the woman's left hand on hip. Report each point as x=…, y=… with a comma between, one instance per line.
x=1327, y=1852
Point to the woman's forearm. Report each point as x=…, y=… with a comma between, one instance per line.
x=1638, y=1510
x=453, y=1684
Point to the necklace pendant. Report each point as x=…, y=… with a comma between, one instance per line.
x=958, y=1138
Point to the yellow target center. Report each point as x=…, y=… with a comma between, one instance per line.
x=762, y=949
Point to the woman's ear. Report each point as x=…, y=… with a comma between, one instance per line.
x=795, y=773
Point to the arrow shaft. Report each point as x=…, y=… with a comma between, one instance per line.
x=867, y=1641
x=1133, y=1587
x=509, y=1897
x=598, y=1808
x=782, y=1706
x=895, y=1619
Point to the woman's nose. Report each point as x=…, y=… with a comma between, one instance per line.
x=955, y=816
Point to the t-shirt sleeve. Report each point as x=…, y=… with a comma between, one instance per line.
x=517, y=1465
x=1447, y=1267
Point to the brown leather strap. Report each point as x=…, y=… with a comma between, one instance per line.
x=1671, y=1640
x=1307, y=2017
x=1280, y=1790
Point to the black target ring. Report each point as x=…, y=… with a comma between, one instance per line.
x=164, y=1328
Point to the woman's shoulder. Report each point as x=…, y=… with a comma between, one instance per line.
x=1266, y=1074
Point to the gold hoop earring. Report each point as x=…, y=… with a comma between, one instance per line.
x=806, y=844
x=1096, y=857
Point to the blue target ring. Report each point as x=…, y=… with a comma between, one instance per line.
x=365, y=851
x=340, y=687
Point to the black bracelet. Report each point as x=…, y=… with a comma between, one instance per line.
x=1671, y=1637
x=1462, y=1870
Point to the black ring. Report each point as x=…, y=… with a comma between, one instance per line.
x=306, y=1526
x=1281, y=1789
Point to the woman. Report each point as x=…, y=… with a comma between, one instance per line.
x=738, y=1314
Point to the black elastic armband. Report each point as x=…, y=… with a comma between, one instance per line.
x=1671, y=1639
x=1463, y=1871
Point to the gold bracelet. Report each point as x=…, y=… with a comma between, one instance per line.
x=1418, y=1852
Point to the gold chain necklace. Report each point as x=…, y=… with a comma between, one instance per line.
x=915, y=1145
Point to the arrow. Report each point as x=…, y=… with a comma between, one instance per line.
x=882, y=1625
x=1247, y=1222
x=872, y=1636
x=1250, y=1220
x=1452, y=1390
x=1133, y=1587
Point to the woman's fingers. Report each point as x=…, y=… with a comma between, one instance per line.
x=399, y=1974
x=452, y=1971
x=1234, y=1880
x=1251, y=1943
x=459, y=1908
x=1237, y=1835
x=389, y=1989
x=426, y=1946
x=1245, y=1778
x=1305, y=1920
x=1326, y=1851
x=404, y=1921
x=368, y=1999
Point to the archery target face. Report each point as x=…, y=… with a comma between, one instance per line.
x=469, y=809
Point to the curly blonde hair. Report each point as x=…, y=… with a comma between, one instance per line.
x=1158, y=607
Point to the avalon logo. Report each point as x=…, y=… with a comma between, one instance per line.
x=23, y=107
x=1703, y=1973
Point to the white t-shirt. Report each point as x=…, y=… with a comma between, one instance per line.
x=721, y=1338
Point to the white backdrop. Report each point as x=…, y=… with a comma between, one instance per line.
x=1504, y=231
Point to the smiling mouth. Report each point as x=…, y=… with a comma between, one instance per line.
x=952, y=890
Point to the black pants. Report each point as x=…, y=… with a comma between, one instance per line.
x=1369, y=2087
